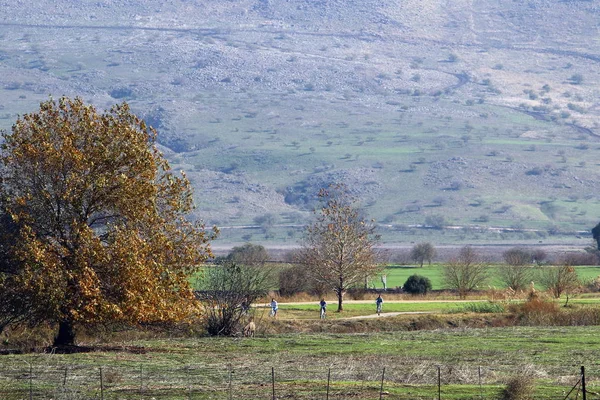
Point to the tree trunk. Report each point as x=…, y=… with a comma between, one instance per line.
x=66, y=334
x=340, y=295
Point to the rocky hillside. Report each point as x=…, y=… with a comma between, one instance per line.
x=473, y=114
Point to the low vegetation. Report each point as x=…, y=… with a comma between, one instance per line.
x=467, y=359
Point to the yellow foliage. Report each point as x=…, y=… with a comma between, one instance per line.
x=102, y=233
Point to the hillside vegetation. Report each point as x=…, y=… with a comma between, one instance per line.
x=471, y=114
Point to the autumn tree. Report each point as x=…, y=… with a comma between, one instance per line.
x=421, y=252
x=465, y=272
x=338, y=247
x=97, y=222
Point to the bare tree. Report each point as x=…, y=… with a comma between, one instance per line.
x=559, y=280
x=517, y=273
x=228, y=291
x=465, y=272
x=338, y=248
x=421, y=252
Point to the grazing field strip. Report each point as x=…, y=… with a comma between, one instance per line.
x=214, y=368
x=222, y=381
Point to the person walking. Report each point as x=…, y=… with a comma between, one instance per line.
x=274, y=308
x=379, y=302
x=323, y=305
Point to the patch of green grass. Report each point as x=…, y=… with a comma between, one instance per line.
x=480, y=307
x=302, y=311
x=301, y=363
x=397, y=275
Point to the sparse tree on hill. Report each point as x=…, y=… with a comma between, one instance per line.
x=465, y=272
x=97, y=222
x=266, y=222
x=421, y=252
x=436, y=221
x=338, y=248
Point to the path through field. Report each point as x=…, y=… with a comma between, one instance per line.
x=389, y=314
x=374, y=315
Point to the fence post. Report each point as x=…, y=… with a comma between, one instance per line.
x=381, y=387
x=101, y=385
x=230, y=376
x=189, y=379
x=65, y=377
x=583, y=382
x=30, y=382
x=273, y=380
x=439, y=371
x=141, y=381
x=479, y=377
x=328, y=380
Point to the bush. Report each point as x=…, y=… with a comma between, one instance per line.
x=483, y=307
x=417, y=284
x=293, y=280
x=297, y=279
x=536, y=312
x=519, y=387
x=579, y=259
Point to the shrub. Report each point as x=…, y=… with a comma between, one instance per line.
x=519, y=387
x=293, y=280
x=488, y=307
x=416, y=284
x=436, y=221
x=576, y=79
x=579, y=259
x=536, y=312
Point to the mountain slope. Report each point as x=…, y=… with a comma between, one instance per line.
x=466, y=113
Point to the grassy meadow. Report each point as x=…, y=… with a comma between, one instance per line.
x=396, y=275
x=472, y=362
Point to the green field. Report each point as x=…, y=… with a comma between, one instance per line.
x=397, y=275
x=472, y=362
x=353, y=309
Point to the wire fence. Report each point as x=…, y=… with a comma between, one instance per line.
x=141, y=381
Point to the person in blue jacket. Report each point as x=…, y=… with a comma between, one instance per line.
x=379, y=302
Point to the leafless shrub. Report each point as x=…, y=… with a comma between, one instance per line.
x=112, y=376
x=579, y=259
x=519, y=387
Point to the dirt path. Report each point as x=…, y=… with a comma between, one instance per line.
x=371, y=316
x=389, y=314
x=332, y=303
